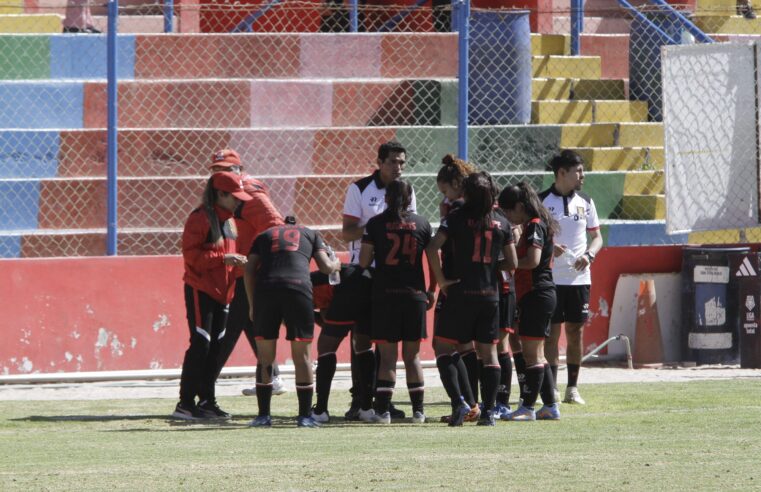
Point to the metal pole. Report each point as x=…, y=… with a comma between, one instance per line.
x=577, y=24
x=353, y=15
x=168, y=15
x=462, y=9
x=111, y=205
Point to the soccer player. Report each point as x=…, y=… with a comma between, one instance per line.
x=364, y=200
x=279, y=289
x=535, y=293
x=252, y=218
x=576, y=244
x=395, y=240
x=209, y=254
x=471, y=312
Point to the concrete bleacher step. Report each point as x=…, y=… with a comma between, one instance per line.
x=732, y=24
x=12, y=7
x=563, y=89
x=644, y=183
x=30, y=23
x=554, y=66
x=612, y=135
x=550, y=44
x=643, y=207
x=594, y=24
x=613, y=50
x=595, y=111
x=622, y=158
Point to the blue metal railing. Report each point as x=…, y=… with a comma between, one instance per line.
x=168, y=15
x=639, y=15
x=577, y=25
x=247, y=24
x=461, y=17
x=112, y=157
x=686, y=24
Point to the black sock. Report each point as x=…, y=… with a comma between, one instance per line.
x=366, y=375
x=548, y=386
x=304, y=391
x=505, y=378
x=472, y=364
x=326, y=369
x=573, y=374
x=448, y=375
x=354, y=390
x=520, y=371
x=417, y=394
x=463, y=379
x=264, y=397
x=534, y=380
x=383, y=393
x=490, y=381
x=554, y=370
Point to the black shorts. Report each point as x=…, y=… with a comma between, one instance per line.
x=350, y=308
x=507, y=312
x=534, y=313
x=440, y=300
x=275, y=305
x=464, y=320
x=238, y=319
x=398, y=319
x=573, y=304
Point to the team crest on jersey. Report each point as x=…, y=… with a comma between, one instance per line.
x=581, y=211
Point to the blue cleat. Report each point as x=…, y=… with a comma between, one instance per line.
x=523, y=414
x=307, y=422
x=261, y=421
x=549, y=412
x=458, y=416
x=488, y=419
x=502, y=411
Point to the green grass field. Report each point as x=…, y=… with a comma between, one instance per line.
x=661, y=436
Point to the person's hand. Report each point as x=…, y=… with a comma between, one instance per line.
x=430, y=299
x=558, y=249
x=444, y=286
x=581, y=263
x=235, y=259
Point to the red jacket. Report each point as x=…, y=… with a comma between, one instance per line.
x=205, y=267
x=254, y=216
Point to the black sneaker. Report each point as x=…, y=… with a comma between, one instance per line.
x=395, y=412
x=353, y=412
x=187, y=411
x=210, y=410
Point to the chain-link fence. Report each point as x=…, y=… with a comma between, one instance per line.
x=307, y=103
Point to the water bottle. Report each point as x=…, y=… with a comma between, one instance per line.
x=335, y=277
x=569, y=260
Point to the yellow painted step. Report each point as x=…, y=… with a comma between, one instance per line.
x=644, y=183
x=726, y=236
x=621, y=158
x=640, y=135
x=728, y=24
x=551, y=89
x=550, y=44
x=716, y=7
x=30, y=23
x=544, y=112
x=599, y=89
x=612, y=135
x=572, y=67
x=11, y=7
x=643, y=207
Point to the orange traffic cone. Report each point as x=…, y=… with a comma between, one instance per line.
x=648, y=345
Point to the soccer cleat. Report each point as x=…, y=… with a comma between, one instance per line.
x=572, y=396
x=487, y=419
x=549, y=412
x=395, y=412
x=322, y=418
x=445, y=419
x=249, y=391
x=307, y=422
x=382, y=418
x=210, y=410
x=418, y=418
x=501, y=411
x=278, y=387
x=474, y=414
x=458, y=416
x=366, y=415
x=261, y=421
x=523, y=414
x=187, y=411
x=353, y=412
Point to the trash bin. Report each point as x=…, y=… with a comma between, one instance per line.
x=710, y=305
x=745, y=270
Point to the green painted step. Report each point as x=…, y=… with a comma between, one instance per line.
x=34, y=62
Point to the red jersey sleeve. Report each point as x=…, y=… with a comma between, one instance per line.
x=199, y=254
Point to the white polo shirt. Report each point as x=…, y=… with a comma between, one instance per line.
x=365, y=199
x=576, y=215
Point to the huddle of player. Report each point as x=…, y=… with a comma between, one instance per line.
x=491, y=261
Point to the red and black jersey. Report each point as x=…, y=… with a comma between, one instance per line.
x=285, y=252
x=399, y=247
x=205, y=267
x=477, y=251
x=254, y=216
x=535, y=235
x=447, y=256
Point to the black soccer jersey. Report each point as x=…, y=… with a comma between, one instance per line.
x=285, y=252
x=535, y=235
x=476, y=251
x=447, y=255
x=399, y=247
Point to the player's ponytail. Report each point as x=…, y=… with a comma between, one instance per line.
x=480, y=193
x=525, y=194
x=453, y=170
x=398, y=199
x=209, y=200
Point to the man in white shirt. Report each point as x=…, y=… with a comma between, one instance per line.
x=576, y=245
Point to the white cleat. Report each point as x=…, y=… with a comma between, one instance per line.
x=572, y=396
x=320, y=418
x=249, y=391
x=418, y=418
x=383, y=418
x=367, y=415
x=278, y=387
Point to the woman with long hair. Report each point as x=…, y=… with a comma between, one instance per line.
x=535, y=291
x=479, y=238
x=209, y=253
x=395, y=240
